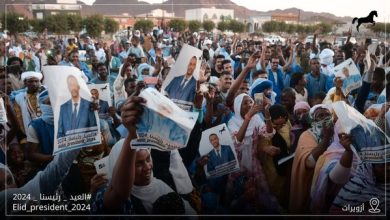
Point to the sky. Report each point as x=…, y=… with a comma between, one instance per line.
x=353, y=8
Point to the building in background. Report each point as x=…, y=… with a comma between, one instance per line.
x=213, y=14
x=288, y=18
x=254, y=23
x=46, y=8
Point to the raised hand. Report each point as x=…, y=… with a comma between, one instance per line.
x=131, y=113
x=346, y=141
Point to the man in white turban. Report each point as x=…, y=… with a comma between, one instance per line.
x=26, y=103
x=327, y=66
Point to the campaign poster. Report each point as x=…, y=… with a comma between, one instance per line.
x=350, y=74
x=101, y=95
x=76, y=124
x=369, y=142
x=217, y=144
x=163, y=125
x=180, y=83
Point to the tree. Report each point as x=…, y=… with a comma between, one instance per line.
x=110, y=25
x=16, y=23
x=75, y=22
x=94, y=25
x=236, y=26
x=178, y=24
x=208, y=25
x=222, y=26
x=144, y=25
x=194, y=25
x=57, y=23
x=38, y=25
x=325, y=27
x=269, y=26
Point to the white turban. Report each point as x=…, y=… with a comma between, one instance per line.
x=314, y=108
x=326, y=56
x=31, y=74
x=207, y=42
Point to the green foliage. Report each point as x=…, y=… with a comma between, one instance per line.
x=194, y=26
x=208, y=25
x=94, y=25
x=178, y=24
x=144, y=25
x=110, y=25
x=276, y=26
x=38, y=25
x=223, y=26
x=75, y=22
x=15, y=23
x=236, y=26
x=57, y=23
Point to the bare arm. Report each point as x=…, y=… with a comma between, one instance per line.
x=123, y=174
x=236, y=84
x=290, y=59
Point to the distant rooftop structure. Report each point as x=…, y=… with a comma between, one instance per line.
x=289, y=18
x=213, y=14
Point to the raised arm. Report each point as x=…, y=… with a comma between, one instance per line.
x=122, y=181
x=241, y=77
x=290, y=59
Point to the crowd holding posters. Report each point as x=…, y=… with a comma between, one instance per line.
x=350, y=74
x=180, y=84
x=217, y=145
x=193, y=134
x=76, y=124
x=163, y=125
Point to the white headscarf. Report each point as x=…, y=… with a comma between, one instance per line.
x=157, y=188
x=235, y=124
x=236, y=121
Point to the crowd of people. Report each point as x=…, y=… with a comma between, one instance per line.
x=275, y=99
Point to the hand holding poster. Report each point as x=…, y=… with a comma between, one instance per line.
x=76, y=125
x=350, y=74
x=180, y=83
x=163, y=125
x=101, y=94
x=368, y=140
x=217, y=145
x=3, y=113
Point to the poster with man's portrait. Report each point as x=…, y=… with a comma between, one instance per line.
x=217, y=145
x=180, y=84
x=369, y=142
x=350, y=75
x=76, y=124
x=101, y=95
x=163, y=125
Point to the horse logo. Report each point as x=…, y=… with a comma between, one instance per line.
x=368, y=19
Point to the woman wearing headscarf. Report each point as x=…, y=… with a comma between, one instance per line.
x=311, y=144
x=245, y=127
x=274, y=144
x=132, y=187
x=300, y=122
